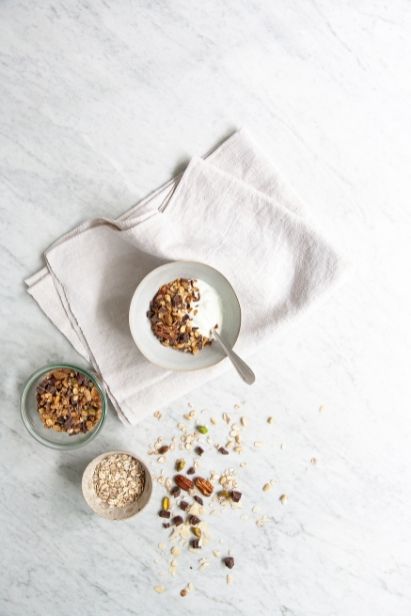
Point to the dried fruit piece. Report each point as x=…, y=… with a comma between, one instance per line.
x=199, y=451
x=183, y=505
x=163, y=449
x=191, y=470
x=229, y=562
x=180, y=464
x=223, y=451
x=202, y=429
x=205, y=486
x=198, y=499
x=175, y=491
x=164, y=514
x=177, y=520
x=183, y=482
x=194, y=520
x=236, y=496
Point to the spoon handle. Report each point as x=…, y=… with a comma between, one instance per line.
x=242, y=368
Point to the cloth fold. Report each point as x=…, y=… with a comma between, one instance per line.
x=231, y=211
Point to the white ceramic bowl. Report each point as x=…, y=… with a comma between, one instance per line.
x=109, y=512
x=140, y=327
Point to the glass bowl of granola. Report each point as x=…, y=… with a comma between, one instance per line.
x=175, y=310
x=63, y=406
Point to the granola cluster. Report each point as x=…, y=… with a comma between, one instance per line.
x=67, y=401
x=171, y=315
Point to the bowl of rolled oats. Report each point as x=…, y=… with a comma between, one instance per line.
x=175, y=310
x=117, y=485
x=63, y=406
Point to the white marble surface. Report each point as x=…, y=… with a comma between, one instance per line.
x=101, y=101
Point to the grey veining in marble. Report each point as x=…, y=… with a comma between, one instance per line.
x=101, y=101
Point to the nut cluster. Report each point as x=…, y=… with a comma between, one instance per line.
x=118, y=480
x=171, y=312
x=67, y=401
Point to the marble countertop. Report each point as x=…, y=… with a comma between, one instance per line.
x=102, y=101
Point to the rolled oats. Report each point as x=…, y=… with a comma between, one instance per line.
x=118, y=479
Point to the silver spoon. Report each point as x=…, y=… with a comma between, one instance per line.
x=243, y=370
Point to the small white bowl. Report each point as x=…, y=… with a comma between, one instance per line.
x=151, y=347
x=110, y=512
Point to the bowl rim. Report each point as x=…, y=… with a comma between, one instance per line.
x=164, y=266
x=43, y=440
x=148, y=485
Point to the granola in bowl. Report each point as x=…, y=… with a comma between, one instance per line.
x=179, y=318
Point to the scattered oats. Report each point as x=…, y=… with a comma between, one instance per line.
x=270, y=420
x=175, y=550
x=213, y=421
x=204, y=564
x=260, y=522
x=229, y=444
x=243, y=464
x=267, y=487
x=190, y=406
x=282, y=446
x=159, y=588
x=237, y=438
x=257, y=444
x=157, y=415
x=238, y=449
x=243, y=421
x=190, y=586
x=161, y=460
x=161, y=546
x=255, y=509
x=283, y=499
x=229, y=579
x=236, y=406
x=181, y=427
x=168, y=484
x=313, y=460
x=213, y=475
x=216, y=553
x=188, y=446
x=226, y=418
x=189, y=415
x=322, y=408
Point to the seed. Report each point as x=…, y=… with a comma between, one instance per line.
x=180, y=464
x=163, y=449
x=270, y=420
x=196, y=531
x=191, y=470
x=183, y=592
x=165, y=503
x=198, y=499
x=177, y=520
x=199, y=451
x=267, y=487
x=202, y=429
x=283, y=499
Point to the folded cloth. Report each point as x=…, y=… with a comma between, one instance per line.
x=230, y=211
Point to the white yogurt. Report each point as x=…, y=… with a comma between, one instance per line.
x=209, y=309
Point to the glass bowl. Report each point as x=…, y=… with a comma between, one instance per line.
x=33, y=423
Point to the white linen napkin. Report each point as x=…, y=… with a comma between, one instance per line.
x=230, y=211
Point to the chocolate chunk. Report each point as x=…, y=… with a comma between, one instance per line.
x=175, y=491
x=177, y=520
x=193, y=520
x=223, y=450
x=191, y=470
x=195, y=543
x=235, y=496
x=199, y=451
x=164, y=514
x=183, y=505
x=163, y=449
x=229, y=562
x=198, y=499
x=166, y=524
